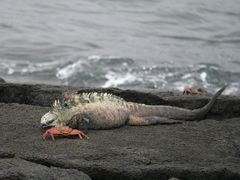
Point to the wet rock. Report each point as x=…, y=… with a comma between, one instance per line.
x=6, y=153
x=21, y=169
x=173, y=178
x=207, y=149
x=2, y=80
x=44, y=95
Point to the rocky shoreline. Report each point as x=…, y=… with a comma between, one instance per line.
x=208, y=149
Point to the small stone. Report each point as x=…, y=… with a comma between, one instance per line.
x=173, y=178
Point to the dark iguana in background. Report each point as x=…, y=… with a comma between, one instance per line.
x=106, y=111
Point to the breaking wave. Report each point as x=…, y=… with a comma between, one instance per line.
x=122, y=72
x=110, y=71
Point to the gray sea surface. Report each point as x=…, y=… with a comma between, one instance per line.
x=137, y=44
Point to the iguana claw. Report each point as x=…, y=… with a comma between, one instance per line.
x=65, y=131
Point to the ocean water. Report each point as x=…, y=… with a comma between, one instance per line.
x=137, y=44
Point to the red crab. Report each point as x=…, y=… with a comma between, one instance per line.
x=65, y=131
x=191, y=91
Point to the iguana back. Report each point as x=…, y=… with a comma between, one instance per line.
x=106, y=111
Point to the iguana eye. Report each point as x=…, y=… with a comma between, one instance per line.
x=49, y=122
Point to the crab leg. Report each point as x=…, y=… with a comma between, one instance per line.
x=52, y=136
x=79, y=133
x=45, y=134
x=52, y=131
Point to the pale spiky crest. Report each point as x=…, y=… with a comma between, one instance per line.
x=55, y=103
x=92, y=97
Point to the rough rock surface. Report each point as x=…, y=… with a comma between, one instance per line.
x=22, y=169
x=44, y=95
x=2, y=80
x=208, y=149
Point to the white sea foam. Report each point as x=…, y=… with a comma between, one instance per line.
x=170, y=75
x=214, y=68
x=113, y=71
x=232, y=88
x=203, y=76
x=94, y=57
x=202, y=66
x=69, y=70
x=25, y=67
x=98, y=57
x=8, y=68
x=186, y=76
x=179, y=85
x=115, y=79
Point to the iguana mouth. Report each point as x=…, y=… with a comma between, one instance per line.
x=46, y=126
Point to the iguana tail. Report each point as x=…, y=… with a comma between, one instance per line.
x=201, y=112
x=176, y=112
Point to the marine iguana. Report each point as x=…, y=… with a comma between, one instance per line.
x=106, y=111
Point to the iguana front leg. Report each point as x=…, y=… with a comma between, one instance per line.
x=150, y=120
x=80, y=122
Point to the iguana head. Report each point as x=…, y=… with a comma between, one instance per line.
x=61, y=114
